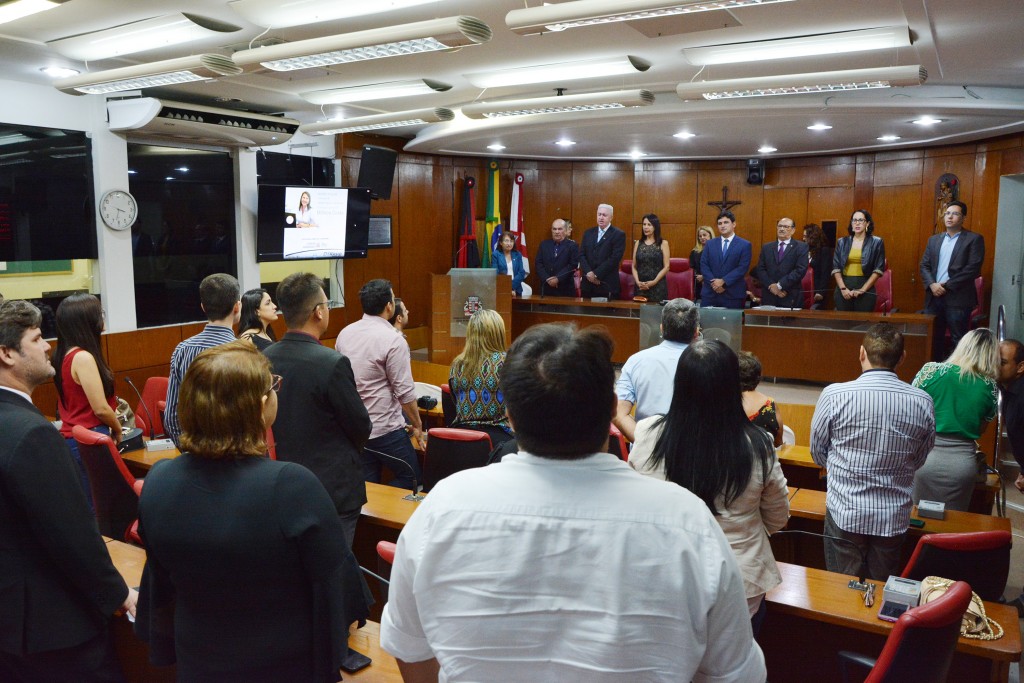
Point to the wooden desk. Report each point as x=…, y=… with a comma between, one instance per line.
x=620, y=318
x=385, y=506
x=139, y=461
x=812, y=615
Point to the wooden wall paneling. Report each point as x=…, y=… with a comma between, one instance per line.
x=440, y=289
x=815, y=175
x=898, y=172
x=864, y=186
x=779, y=203
x=142, y=348
x=600, y=183
x=896, y=213
x=547, y=195
x=1012, y=161
x=983, y=209
x=709, y=189
x=667, y=191
x=831, y=203
x=428, y=232
x=681, y=238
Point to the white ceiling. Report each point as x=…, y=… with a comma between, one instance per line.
x=972, y=51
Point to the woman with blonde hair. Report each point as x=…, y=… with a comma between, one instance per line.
x=704, y=234
x=473, y=378
x=223, y=520
x=964, y=391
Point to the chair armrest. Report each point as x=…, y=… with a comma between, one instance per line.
x=137, y=486
x=846, y=658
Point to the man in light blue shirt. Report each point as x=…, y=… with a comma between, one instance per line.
x=646, y=378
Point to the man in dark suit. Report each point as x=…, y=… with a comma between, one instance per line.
x=556, y=262
x=724, y=264
x=321, y=421
x=781, y=267
x=58, y=588
x=951, y=262
x=600, y=254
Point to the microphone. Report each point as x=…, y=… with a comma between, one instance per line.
x=415, y=496
x=145, y=408
x=861, y=584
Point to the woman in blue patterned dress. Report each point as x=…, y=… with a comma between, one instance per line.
x=473, y=378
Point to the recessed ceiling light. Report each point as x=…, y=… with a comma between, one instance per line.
x=927, y=121
x=889, y=138
x=496, y=147
x=685, y=135
x=168, y=178
x=766, y=149
x=182, y=169
x=59, y=71
x=565, y=143
x=132, y=171
x=637, y=154
x=819, y=126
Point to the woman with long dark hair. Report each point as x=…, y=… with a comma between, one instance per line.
x=258, y=311
x=820, y=259
x=858, y=262
x=84, y=381
x=651, y=261
x=706, y=444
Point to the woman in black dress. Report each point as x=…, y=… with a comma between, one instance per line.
x=258, y=311
x=820, y=257
x=650, y=261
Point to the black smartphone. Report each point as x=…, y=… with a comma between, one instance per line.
x=354, y=661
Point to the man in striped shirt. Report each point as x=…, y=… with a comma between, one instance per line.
x=219, y=297
x=871, y=434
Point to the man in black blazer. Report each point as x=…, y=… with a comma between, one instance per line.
x=58, y=587
x=781, y=267
x=321, y=421
x=556, y=262
x=951, y=262
x=600, y=254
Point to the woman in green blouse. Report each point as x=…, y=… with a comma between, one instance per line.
x=964, y=391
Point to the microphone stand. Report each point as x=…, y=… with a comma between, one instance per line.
x=145, y=408
x=415, y=496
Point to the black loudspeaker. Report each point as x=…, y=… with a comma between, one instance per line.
x=755, y=172
x=377, y=170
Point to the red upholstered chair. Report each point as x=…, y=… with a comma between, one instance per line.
x=154, y=392
x=115, y=492
x=448, y=406
x=385, y=558
x=807, y=286
x=577, y=277
x=883, y=290
x=271, y=444
x=981, y=558
x=626, y=283
x=920, y=647
x=753, y=290
x=680, y=279
x=452, y=450
x=617, y=444
x=977, y=314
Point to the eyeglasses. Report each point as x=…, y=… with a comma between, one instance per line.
x=275, y=383
x=953, y=213
x=859, y=220
x=330, y=303
x=783, y=226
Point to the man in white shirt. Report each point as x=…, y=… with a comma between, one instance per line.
x=561, y=563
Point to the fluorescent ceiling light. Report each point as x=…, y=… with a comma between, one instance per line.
x=635, y=154
x=168, y=72
x=796, y=84
x=685, y=135
x=496, y=147
x=379, y=121
x=767, y=149
x=285, y=13
x=565, y=71
x=375, y=91
x=139, y=36
x=841, y=42
x=565, y=15
x=388, y=41
x=565, y=143
x=889, y=138
x=59, y=71
x=819, y=126
x=22, y=8
x=560, y=104
x=927, y=121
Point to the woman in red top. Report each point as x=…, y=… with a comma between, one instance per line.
x=85, y=384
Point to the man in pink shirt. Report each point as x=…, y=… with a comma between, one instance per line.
x=383, y=371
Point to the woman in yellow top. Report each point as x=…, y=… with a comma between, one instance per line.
x=858, y=262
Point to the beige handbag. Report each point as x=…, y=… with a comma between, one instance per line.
x=976, y=623
x=125, y=415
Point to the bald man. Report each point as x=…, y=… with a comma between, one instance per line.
x=556, y=260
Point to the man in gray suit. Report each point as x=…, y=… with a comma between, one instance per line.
x=781, y=267
x=951, y=262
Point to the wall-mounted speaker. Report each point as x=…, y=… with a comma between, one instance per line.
x=755, y=171
x=377, y=170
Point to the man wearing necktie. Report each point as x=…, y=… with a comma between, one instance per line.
x=781, y=267
x=724, y=264
x=600, y=254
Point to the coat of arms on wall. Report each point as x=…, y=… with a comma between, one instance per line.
x=947, y=189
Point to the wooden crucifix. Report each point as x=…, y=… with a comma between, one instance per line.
x=725, y=204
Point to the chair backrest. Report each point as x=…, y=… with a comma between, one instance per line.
x=807, y=285
x=271, y=444
x=448, y=406
x=883, y=292
x=977, y=313
x=626, y=266
x=452, y=450
x=678, y=264
x=617, y=444
x=385, y=558
x=753, y=286
x=154, y=391
x=920, y=647
x=625, y=286
x=577, y=278
x=680, y=282
x=114, y=489
x=981, y=558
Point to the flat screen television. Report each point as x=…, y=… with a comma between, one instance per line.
x=295, y=223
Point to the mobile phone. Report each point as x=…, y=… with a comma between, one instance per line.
x=354, y=661
x=891, y=611
x=917, y=523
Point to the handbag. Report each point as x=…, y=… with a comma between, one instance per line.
x=975, y=623
x=125, y=415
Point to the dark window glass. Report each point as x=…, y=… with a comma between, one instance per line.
x=185, y=230
x=288, y=169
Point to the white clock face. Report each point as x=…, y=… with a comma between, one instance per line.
x=118, y=210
